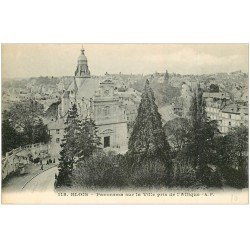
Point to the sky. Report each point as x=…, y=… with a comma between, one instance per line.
x=32, y=60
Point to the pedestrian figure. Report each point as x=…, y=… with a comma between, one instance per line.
x=41, y=162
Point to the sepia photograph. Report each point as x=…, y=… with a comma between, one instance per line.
x=124, y=123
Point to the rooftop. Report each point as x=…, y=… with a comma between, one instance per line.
x=235, y=109
x=57, y=124
x=218, y=95
x=107, y=81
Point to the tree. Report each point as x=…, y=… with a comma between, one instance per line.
x=28, y=134
x=26, y=119
x=214, y=88
x=10, y=137
x=148, y=134
x=232, y=156
x=164, y=92
x=176, y=131
x=40, y=132
x=149, y=151
x=89, y=141
x=69, y=148
x=100, y=170
x=13, y=136
x=25, y=113
x=35, y=133
x=200, y=145
x=80, y=142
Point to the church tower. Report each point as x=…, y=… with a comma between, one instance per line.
x=82, y=70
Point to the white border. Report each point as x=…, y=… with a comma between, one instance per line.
x=124, y=227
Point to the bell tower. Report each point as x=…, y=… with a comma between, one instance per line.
x=82, y=70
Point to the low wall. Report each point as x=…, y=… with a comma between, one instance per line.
x=20, y=156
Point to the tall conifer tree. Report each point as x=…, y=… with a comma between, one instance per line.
x=70, y=148
x=148, y=147
x=88, y=142
x=148, y=135
x=201, y=137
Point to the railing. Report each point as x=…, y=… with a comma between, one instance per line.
x=8, y=164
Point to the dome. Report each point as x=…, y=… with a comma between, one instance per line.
x=82, y=69
x=82, y=57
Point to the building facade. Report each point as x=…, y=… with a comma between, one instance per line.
x=94, y=99
x=110, y=117
x=227, y=114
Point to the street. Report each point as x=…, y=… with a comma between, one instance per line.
x=42, y=182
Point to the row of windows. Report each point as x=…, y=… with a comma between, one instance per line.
x=57, y=131
x=228, y=116
x=225, y=122
x=230, y=123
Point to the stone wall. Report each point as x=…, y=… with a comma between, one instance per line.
x=19, y=157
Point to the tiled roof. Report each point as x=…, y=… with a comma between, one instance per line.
x=86, y=87
x=107, y=81
x=219, y=95
x=235, y=109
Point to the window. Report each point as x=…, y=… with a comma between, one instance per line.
x=106, y=111
x=57, y=140
x=229, y=123
x=106, y=141
x=58, y=131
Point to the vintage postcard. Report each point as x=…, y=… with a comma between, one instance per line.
x=124, y=123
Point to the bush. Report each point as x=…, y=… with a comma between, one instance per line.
x=235, y=178
x=215, y=179
x=184, y=175
x=150, y=173
x=101, y=170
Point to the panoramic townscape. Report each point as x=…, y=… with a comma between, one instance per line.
x=119, y=131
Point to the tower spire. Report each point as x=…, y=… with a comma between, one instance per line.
x=82, y=69
x=82, y=50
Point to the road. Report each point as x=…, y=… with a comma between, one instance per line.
x=42, y=182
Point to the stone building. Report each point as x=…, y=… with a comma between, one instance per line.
x=228, y=115
x=56, y=131
x=95, y=99
x=181, y=105
x=186, y=96
x=110, y=117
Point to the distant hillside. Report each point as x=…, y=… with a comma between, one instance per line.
x=48, y=82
